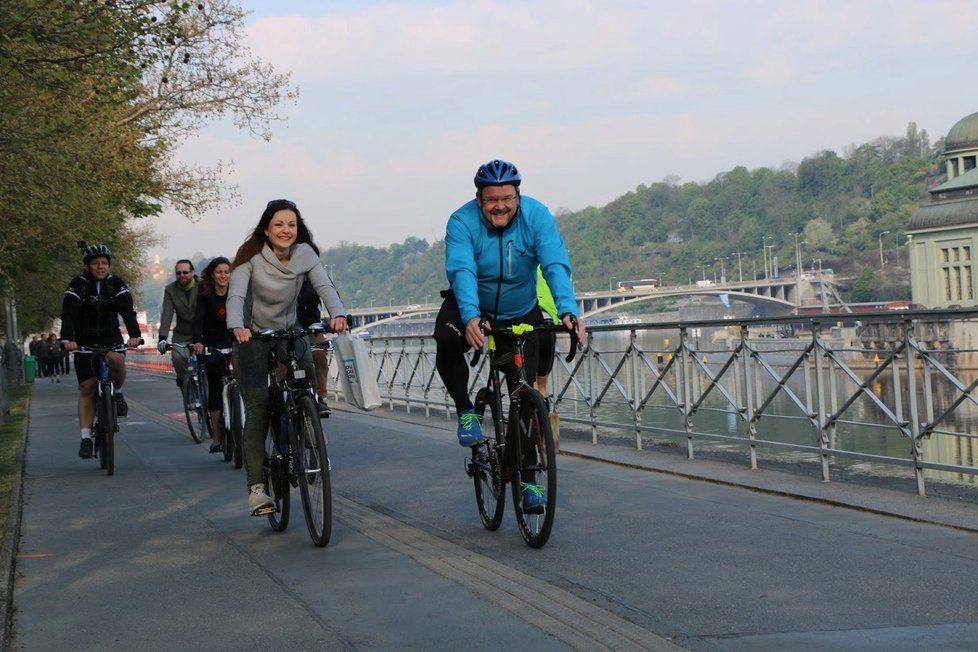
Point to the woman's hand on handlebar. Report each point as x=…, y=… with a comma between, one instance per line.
x=338, y=324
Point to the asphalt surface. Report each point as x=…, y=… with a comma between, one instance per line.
x=649, y=551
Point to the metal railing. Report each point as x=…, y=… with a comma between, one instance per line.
x=896, y=390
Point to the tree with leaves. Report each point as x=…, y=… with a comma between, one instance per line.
x=95, y=99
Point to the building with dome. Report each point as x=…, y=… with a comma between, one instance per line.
x=943, y=233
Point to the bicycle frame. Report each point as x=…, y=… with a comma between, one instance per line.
x=502, y=459
x=295, y=447
x=104, y=428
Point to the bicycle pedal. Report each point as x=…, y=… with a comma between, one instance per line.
x=264, y=511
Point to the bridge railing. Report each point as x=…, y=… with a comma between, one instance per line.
x=896, y=392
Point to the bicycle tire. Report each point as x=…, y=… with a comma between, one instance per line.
x=195, y=408
x=237, y=425
x=227, y=446
x=485, y=466
x=312, y=468
x=533, y=417
x=277, y=485
x=107, y=426
x=97, y=432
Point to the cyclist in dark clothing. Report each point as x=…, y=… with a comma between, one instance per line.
x=308, y=312
x=210, y=329
x=90, y=312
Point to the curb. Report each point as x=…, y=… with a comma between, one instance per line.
x=11, y=538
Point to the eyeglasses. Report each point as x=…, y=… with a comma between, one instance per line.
x=184, y=273
x=285, y=203
x=508, y=199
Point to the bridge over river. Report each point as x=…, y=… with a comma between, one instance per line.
x=776, y=296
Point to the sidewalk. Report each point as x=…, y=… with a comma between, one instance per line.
x=181, y=525
x=945, y=505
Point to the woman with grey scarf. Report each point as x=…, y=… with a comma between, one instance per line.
x=266, y=276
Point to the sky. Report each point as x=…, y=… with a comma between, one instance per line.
x=400, y=102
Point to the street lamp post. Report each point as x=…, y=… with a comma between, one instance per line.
x=723, y=269
x=798, y=254
x=769, y=262
x=882, y=262
x=764, y=247
x=704, y=271
x=740, y=266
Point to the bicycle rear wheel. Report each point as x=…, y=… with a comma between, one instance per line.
x=313, y=471
x=485, y=465
x=105, y=434
x=277, y=484
x=195, y=407
x=237, y=425
x=537, y=466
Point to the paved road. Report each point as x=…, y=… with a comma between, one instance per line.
x=645, y=553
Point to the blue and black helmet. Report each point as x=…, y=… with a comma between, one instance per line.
x=96, y=251
x=497, y=173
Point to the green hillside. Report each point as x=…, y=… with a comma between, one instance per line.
x=838, y=204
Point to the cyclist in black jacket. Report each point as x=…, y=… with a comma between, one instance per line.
x=90, y=312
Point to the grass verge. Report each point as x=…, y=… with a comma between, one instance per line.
x=11, y=434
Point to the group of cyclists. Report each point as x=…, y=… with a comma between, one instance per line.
x=498, y=246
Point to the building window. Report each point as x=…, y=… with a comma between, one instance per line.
x=969, y=163
x=956, y=274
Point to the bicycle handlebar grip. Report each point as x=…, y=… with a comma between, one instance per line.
x=573, y=341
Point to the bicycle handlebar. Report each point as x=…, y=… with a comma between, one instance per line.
x=105, y=348
x=511, y=332
x=293, y=333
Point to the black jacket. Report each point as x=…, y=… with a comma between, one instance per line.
x=91, y=310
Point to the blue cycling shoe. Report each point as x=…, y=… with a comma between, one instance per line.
x=469, y=430
x=534, y=498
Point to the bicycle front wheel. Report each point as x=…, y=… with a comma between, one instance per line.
x=535, y=469
x=276, y=473
x=485, y=466
x=105, y=431
x=195, y=407
x=313, y=470
x=237, y=425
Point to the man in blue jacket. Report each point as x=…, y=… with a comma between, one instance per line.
x=493, y=245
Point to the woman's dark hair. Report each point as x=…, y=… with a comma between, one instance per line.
x=207, y=276
x=257, y=239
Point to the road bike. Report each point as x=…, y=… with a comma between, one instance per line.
x=519, y=448
x=106, y=423
x=194, y=390
x=232, y=411
x=295, y=448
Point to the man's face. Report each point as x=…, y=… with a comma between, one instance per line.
x=184, y=274
x=499, y=204
x=98, y=267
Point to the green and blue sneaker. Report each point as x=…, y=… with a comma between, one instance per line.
x=469, y=430
x=534, y=498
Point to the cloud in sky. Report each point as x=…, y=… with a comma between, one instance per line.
x=400, y=102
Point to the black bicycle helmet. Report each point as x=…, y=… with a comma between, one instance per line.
x=497, y=173
x=96, y=251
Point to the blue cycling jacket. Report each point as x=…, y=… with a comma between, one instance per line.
x=493, y=271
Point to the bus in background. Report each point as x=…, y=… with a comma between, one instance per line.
x=640, y=284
